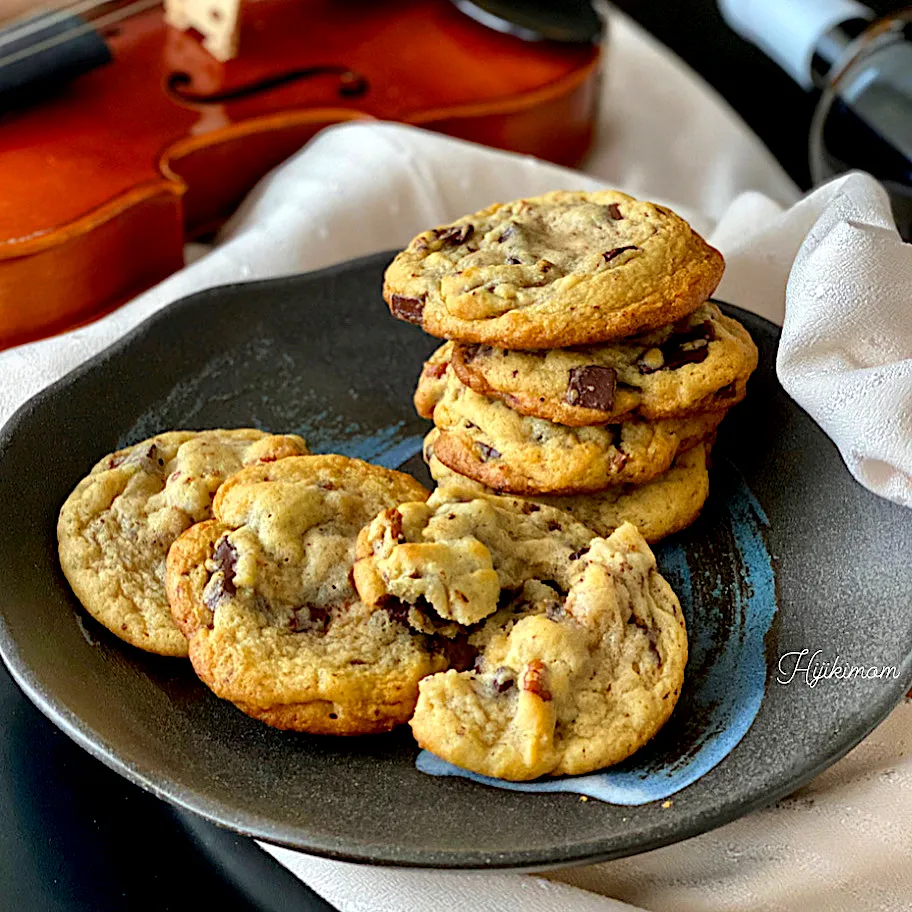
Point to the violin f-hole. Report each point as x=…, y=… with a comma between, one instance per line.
x=351, y=85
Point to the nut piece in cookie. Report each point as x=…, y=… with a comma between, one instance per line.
x=700, y=364
x=115, y=529
x=567, y=268
x=658, y=508
x=448, y=561
x=264, y=595
x=566, y=682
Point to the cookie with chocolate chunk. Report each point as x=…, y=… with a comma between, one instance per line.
x=700, y=364
x=264, y=595
x=566, y=268
x=488, y=442
x=658, y=508
x=115, y=529
x=448, y=560
x=572, y=675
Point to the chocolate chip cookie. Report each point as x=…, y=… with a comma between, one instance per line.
x=566, y=268
x=449, y=559
x=115, y=529
x=264, y=595
x=658, y=508
x=567, y=681
x=702, y=363
x=488, y=442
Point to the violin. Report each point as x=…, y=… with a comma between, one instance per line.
x=106, y=175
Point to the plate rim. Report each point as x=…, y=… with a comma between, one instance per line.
x=175, y=793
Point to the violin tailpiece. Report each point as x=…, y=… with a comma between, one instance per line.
x=218, y=21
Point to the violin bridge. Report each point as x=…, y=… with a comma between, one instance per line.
x=218, y=21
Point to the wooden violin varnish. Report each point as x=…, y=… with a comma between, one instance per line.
x=124, y=135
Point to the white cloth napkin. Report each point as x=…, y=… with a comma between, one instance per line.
x=830, y=264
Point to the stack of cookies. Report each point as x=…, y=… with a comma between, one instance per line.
x=585, y=367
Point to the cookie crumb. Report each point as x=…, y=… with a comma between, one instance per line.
x=666, y=804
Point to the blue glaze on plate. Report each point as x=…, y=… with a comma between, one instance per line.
x=723, y=574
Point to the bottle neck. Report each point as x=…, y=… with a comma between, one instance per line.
x=832, y=45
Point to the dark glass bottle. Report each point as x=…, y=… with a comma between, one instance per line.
x=864, y=71
x=864, y=118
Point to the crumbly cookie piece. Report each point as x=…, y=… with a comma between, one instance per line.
x=659, y=508
x=432, y=382
x=700, y=364
x=567, y=683
x=447, y=561
x=264, y=595
x=566, y=268
x=486, y=441
x=115, y=529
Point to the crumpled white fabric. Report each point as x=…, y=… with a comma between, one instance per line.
x=835, y=273
x=830, y=266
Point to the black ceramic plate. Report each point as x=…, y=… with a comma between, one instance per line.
x=319, y=353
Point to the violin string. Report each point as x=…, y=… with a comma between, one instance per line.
x=138, y=6
x=27, y=26
x=35, y=22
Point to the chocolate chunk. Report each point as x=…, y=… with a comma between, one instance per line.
x=514, y=261
x=225, y=557
x=309, y=619
x=456, y=234
x=502, y=680
x=592, y=387
x=694, y=353
x=609, y=255
x=576, y=555
x=488, y=452
x=409, y=309
x=534, y=680
x=460, y=654
x=702, y=330
x=614, y=212
x=554, y=525
x=470, y=352
x=689, y=345
x=507, y=233
x=528, y=508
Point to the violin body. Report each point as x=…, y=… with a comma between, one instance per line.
x=104, y=180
